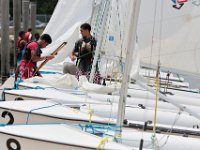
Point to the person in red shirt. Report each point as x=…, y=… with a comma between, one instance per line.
x=20, y=46
x=28, y=35
x=32, y=55
x=20, y=50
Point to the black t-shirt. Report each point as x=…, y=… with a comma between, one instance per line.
x=84, y=50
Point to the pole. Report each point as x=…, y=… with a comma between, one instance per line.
x=126, y=77
x=25, y=13
x=33, y=8
x=0, y=32
x=5, y=49
x=17, y=23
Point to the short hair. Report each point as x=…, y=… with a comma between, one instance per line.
x=21, y=33
x=37, y=36
x=86, y=26
x=46, y=37
x=29, y=29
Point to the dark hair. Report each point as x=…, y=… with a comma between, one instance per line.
x=37, y=36
x=21, y=33
x=86, y=26
x=47, y=38
x=29, y=29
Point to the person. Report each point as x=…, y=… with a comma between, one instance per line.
x=20, y=51
x=84, y=52
x=32, y=55
x=37, y=36
x=28, y=35
x=20, y=46
x=69, y=66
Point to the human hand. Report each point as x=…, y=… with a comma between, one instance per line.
x=49, y=57
x=73, y=57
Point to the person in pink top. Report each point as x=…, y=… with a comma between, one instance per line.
x=32, y=55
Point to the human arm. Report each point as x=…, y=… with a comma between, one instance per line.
x=72, y=56
x=36, y=58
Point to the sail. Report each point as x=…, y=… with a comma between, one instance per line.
x=67, y=29
x=165, y=32
x=175, y=37
x=64, y=26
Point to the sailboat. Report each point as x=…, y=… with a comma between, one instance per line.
x=52, y=137
x=145, y=137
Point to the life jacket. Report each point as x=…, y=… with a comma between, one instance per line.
x=27, y=52
x=85, y=53
x=18, y=43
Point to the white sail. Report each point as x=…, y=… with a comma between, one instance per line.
x=64, y=26
x=176, y=35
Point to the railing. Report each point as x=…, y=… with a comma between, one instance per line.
x=43, y=17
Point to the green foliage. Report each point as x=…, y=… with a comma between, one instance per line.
x=46, y=6
x=43, y=6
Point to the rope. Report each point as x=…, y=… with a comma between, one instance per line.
x=90, y=114
x=170, y=130
x=102, y=143
x=39, y=109
x=120, y=35
x=161, y=26
x=153, y=34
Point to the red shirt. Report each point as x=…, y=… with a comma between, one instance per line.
x=33, y=46
x=28, y=36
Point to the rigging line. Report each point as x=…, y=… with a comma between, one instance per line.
x=111, y=109
x=120, y=35
x=39, y=108
x=160, y=32
x=152, y=44
x=108, y=19
x=98, y=21
x=153, y=32
x=170, y=130
x=93, y=9
x=98, y=18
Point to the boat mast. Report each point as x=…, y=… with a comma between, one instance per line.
x=128, y=63
x=104, y=15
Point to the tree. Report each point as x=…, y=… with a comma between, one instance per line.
x=46, y=7
x=43, y=7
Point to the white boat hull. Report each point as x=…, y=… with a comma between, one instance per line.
x=50, y=137
x=28, y=112
x=166, y=117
